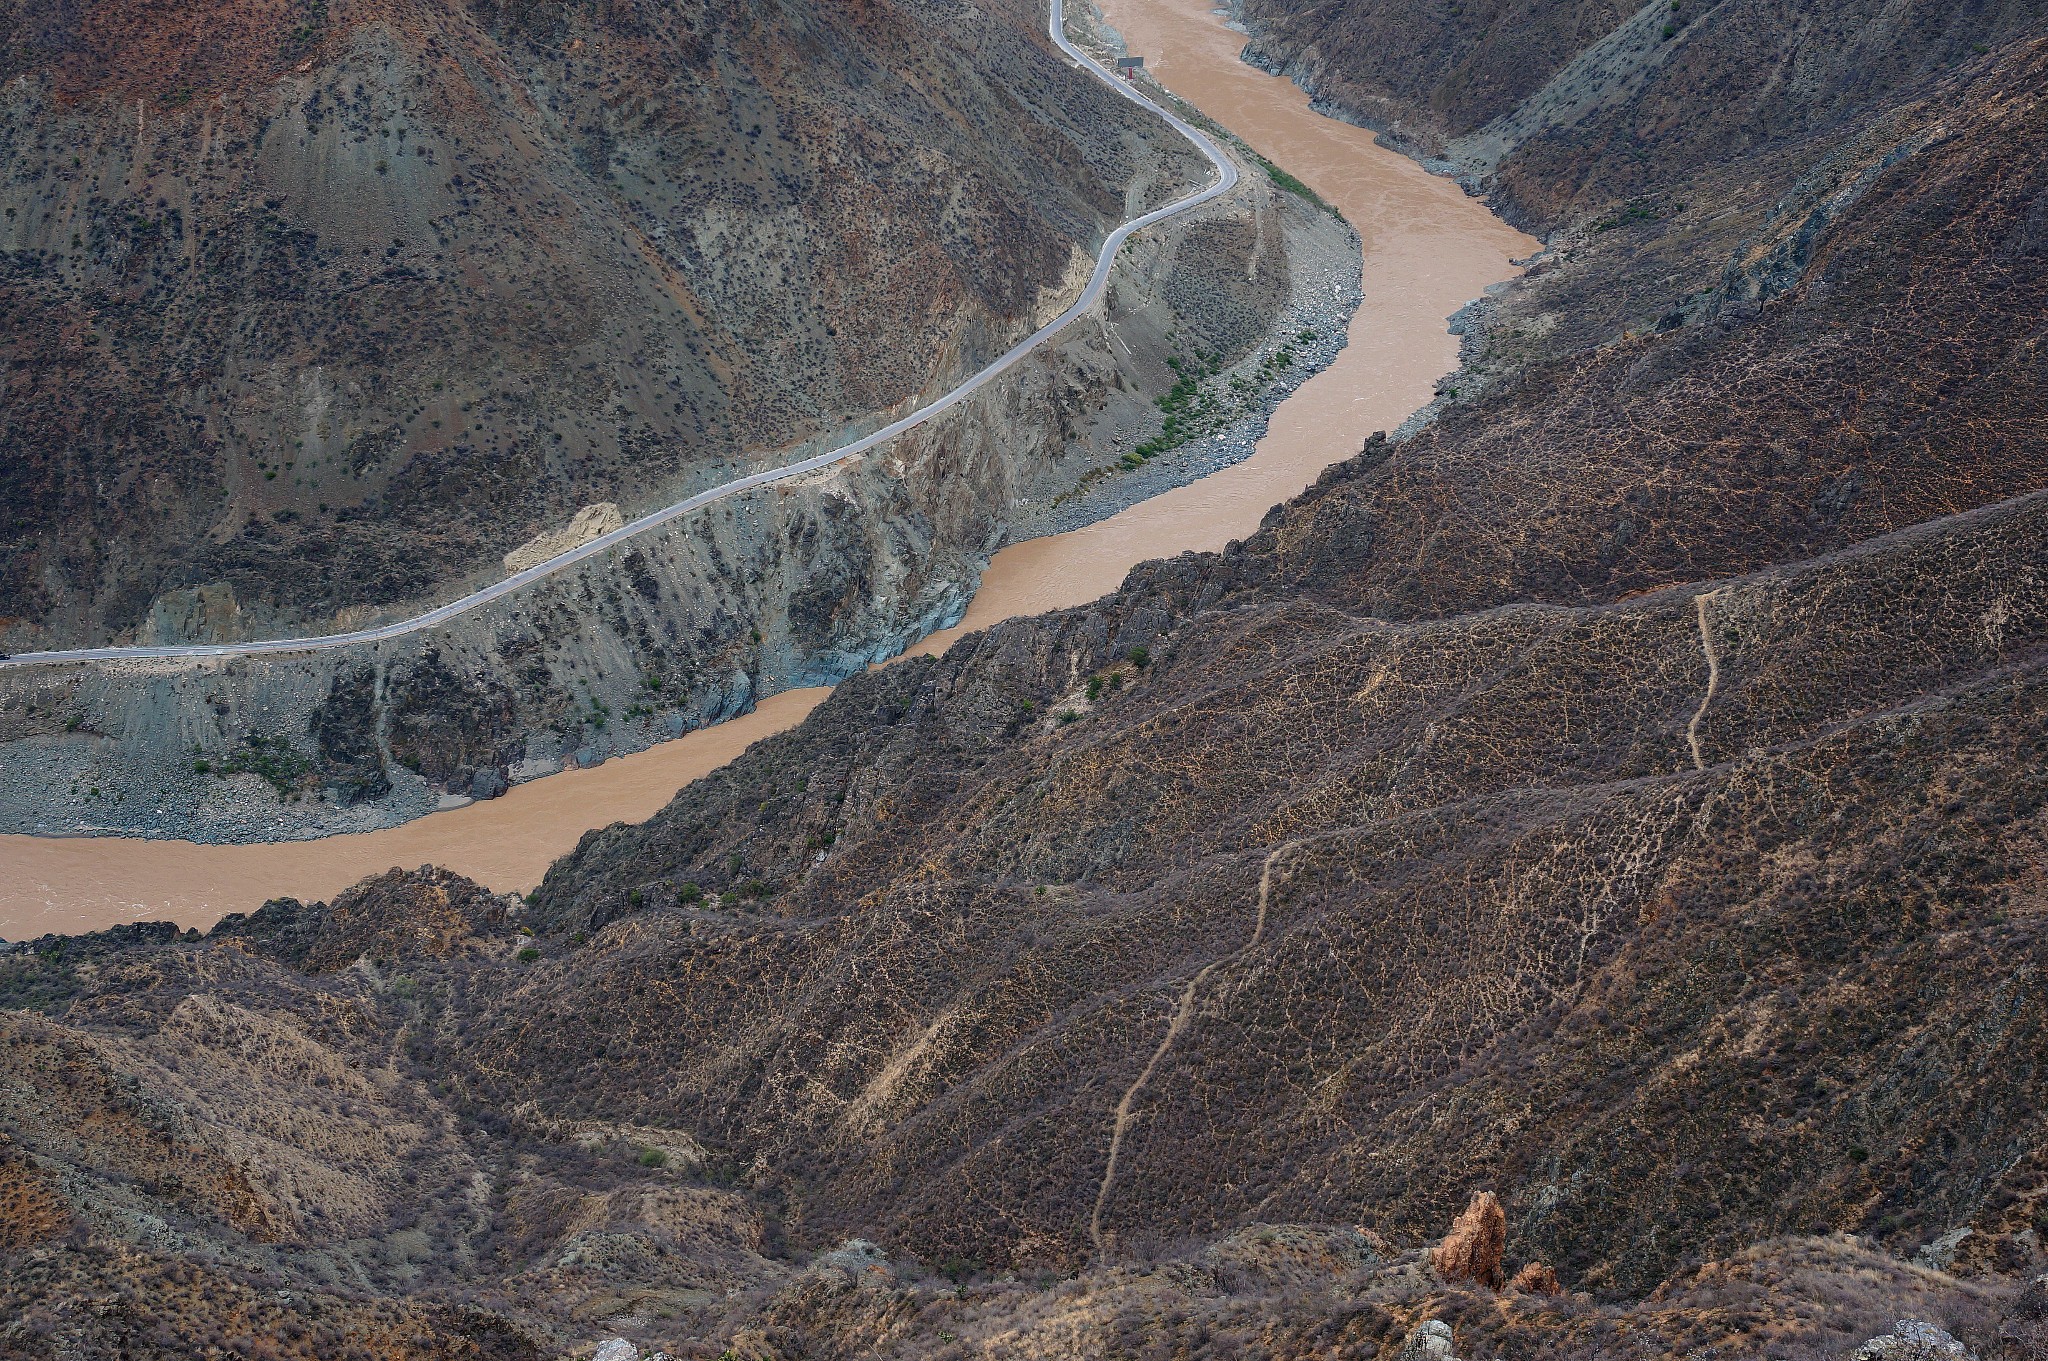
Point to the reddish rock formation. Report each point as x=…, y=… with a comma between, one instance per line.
x=1472, y=1250
x=1536, y=1279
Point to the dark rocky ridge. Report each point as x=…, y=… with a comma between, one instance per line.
x=333, y=306
x=1426, y=70
x=1627, y=797
x=1472, y=794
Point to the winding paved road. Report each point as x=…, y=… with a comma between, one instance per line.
x=1226, y=177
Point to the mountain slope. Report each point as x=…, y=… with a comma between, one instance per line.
x=1623, y=799
x=1534, y=834
x=1564, y=108
x=344, y=302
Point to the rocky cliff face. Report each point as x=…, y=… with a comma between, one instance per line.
x=1425, y=72
x=799, y=584
x=318, y=309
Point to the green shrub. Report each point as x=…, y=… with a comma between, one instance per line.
x=1291, y=185
x=687, y=894
x=528, y=955
x=653, y=1157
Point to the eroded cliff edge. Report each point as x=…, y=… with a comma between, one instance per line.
x=800, y=584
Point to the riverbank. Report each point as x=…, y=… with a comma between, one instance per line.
x=1426, y=251
x=690, y=624
x=1326, y=289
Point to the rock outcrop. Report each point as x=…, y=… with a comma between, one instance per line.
x=393, y=919
x=591, y=522
x=1914, y=1340
x=1431, y=1341
x=1473, y=1249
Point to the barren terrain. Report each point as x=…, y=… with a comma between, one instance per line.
x=1571, y=885
x=337, y=307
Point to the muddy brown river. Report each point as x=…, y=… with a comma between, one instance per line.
x=1428, y=250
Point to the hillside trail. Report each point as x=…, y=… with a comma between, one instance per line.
x=1692, y=729
x=1183, y=1014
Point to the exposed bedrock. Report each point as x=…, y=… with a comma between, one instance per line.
x=312, y=311
x=798, y=584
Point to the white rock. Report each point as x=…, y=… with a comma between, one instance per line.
x=1913, y=1340
x=1940, y=1255
x=1430, y=1341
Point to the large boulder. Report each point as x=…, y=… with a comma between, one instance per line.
x=1430, y=1341
x=1912, y=1340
